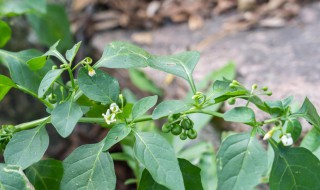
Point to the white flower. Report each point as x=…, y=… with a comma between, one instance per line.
x=109, y=118
x=268, y=135
x=115, y=108
x=287, y=139
x=91, y=72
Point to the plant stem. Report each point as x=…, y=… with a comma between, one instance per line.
x=32, y=124
x=48, y=104
x=71, y=78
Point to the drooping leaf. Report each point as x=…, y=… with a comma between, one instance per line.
x=158, y=157
x=240, y=114
x=5, y=32
x=45, y=174
x=5, y=85
x=88, y=167
x=48, y=80
x=181, y=64
x=13, y=178
x=123, y=55
x=140, y=80
x=312, y=142
x=241, y=162
x=295, y=168
x=65, y=116
x=17, y=7
x=115, y=135
x=101, y=87
x=143, y=105
x=169, y=107
x=71, y=53
x=52, y=26
x=27, y=147
x=309, y=113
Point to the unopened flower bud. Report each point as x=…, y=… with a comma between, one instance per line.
x=254, y=86
x=231, y=101
x=91, y=72
x=269, y=93
x=265, y=88
x=268, y=135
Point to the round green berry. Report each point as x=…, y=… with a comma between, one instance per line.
x=187, y=124
x=176, y=129
x=192, y=134
x=166, y=128
x=173, y=117
x=183, y=136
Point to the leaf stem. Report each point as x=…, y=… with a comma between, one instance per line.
x=23, y=89
x=32, y=124
x=71, y=78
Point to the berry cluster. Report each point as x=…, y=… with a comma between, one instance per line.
x=180, y=125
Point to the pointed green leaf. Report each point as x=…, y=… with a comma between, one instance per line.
x=115, y=135
x=45, y=174
x=27, y=147
x=5, y=85
x=123, y=55
x=88, y=167
x=13, y=178
x=48, y=80
x=208, y=168
x=223, y=91
x=143, y=105
x=312, y=142
x=65, y=116
x=101, y=87
x=147, y=182
x=241, y=162
x=158, y=157
x=295, y=168
x=240, y=114
x=5, y=32
x=71, y=53
x=17, y=7
x=37, y=62
x=169, y=107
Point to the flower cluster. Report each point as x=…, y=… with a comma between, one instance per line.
x=110, y=115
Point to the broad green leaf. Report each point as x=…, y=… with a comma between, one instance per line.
x=208, y=168
x=295, y=168
x=143, y=105
x=5, y=85
x=101, y=87
x=19, y=70
x=13, y=178
x=169, y=107
x=309, y=113
x=294, y=127
x=123, y=55
x=65, y=116
x=17, y=7
x=140, y=80
x=27, y=147
x=191, y=175
x=5, y=32
x=181, y=64
x=312, y=142
x=240, y=114
x=37, y=62
x=277, y=108
x=88, y=167
x=158, y=157
x=115, y=135
x=147, y=182
x=45, y=174
x=241, y=162
x=52, y=26
x=71, y=53
x=222, y=91
x=48, y=80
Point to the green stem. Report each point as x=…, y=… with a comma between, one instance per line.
x=270, y=120
x=32, y=124
x=193, y=86
x=71, y=78
x=48, y=104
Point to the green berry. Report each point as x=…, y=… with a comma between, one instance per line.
x=183, y=136
x=176, y=129
x=187, y=124
x=173, y=117
x=231, y=101
x=166, y=128
x=192, y=134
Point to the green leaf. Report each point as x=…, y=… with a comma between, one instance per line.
x=5, y=85
x=308, y=112
x=123, y=55
x=143, y=105
x=240, y=114
x=169, y=107
x=312, y=142
x=222, y=91
x=13, y=178
x=208, y=169
x=17, y=7
x=52, y=26
x=158, y=157
x=294, y=127
x=37, y=62
x=88, y=167
x=5, y=32
x=115, y=135
x=147, y=182
x=45, y=174
x=101, y=87
x=27, y=147
x=140, y=80
x=295, y=168
x=241, y=162
x=181, y=64
x=71, y=53
x=65, y=116
x=48, y=80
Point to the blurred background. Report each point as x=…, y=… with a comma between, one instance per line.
x=272, y=43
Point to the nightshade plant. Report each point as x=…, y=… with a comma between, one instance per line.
x=242, y=162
